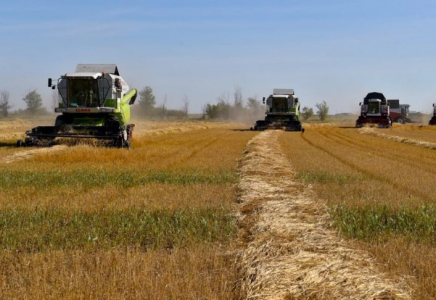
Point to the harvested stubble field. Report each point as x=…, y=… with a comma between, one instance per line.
x=153, y=222
x=334, y=213
x=379, y=192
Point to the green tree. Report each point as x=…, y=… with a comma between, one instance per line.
x=253, y=104
x=185, y=107
x=4, y=103
x=211, y=111
x=255, y=107
x=323, y=110
x=306, y=113
x=33, y=101
x=221, y=110
x=237, y=94
x=147, y=101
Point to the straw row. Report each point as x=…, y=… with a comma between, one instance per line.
x=290, y=251
x=372, y=132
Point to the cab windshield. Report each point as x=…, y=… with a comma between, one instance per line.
x=373, y=107
x=279, y=104
x=83, y=92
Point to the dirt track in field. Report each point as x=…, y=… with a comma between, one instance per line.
x=291, y=253
x=26, y=154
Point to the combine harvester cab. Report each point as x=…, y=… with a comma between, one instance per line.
x=433, y=119
x=283, y=112
x=374, y=110
x=95, y=103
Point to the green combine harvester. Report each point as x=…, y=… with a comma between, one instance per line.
x=283, y=112
x=95, y=103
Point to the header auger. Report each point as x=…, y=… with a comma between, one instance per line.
x=94, y=102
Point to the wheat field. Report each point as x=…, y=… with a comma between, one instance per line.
x=153, y=222
x=158, y=221
x=379, y=192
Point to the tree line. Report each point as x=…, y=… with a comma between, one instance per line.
x=32, y=99
x=322, y=113
x=147, y=106
x=227, y=107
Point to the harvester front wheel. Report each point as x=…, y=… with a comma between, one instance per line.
x=59, y=121
x=118, y=142
x=123, y=140
x=112, y=121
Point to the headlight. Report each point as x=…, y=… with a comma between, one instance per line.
x=106, y=110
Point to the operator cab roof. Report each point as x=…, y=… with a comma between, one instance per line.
x=97, y=68
x=84, y=75
x=281, y=96
x=374, y=95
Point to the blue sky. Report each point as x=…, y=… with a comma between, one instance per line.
x=335, y=51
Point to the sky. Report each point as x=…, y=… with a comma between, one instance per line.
x=335, y=51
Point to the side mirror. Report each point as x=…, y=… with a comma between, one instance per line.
x=360, y=103
x=117, y=83
x=263, y=100
x=433, y=104
x=296, y=100
x=49, y=82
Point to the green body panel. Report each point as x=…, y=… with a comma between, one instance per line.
x=110, y=103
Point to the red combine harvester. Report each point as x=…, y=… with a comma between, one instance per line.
x=399, y=112
x=374, y=110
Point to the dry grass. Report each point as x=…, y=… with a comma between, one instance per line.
x=150, y=196
x=175, y=175
x=381, y=187
x=12, y=130
x=197, y=272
